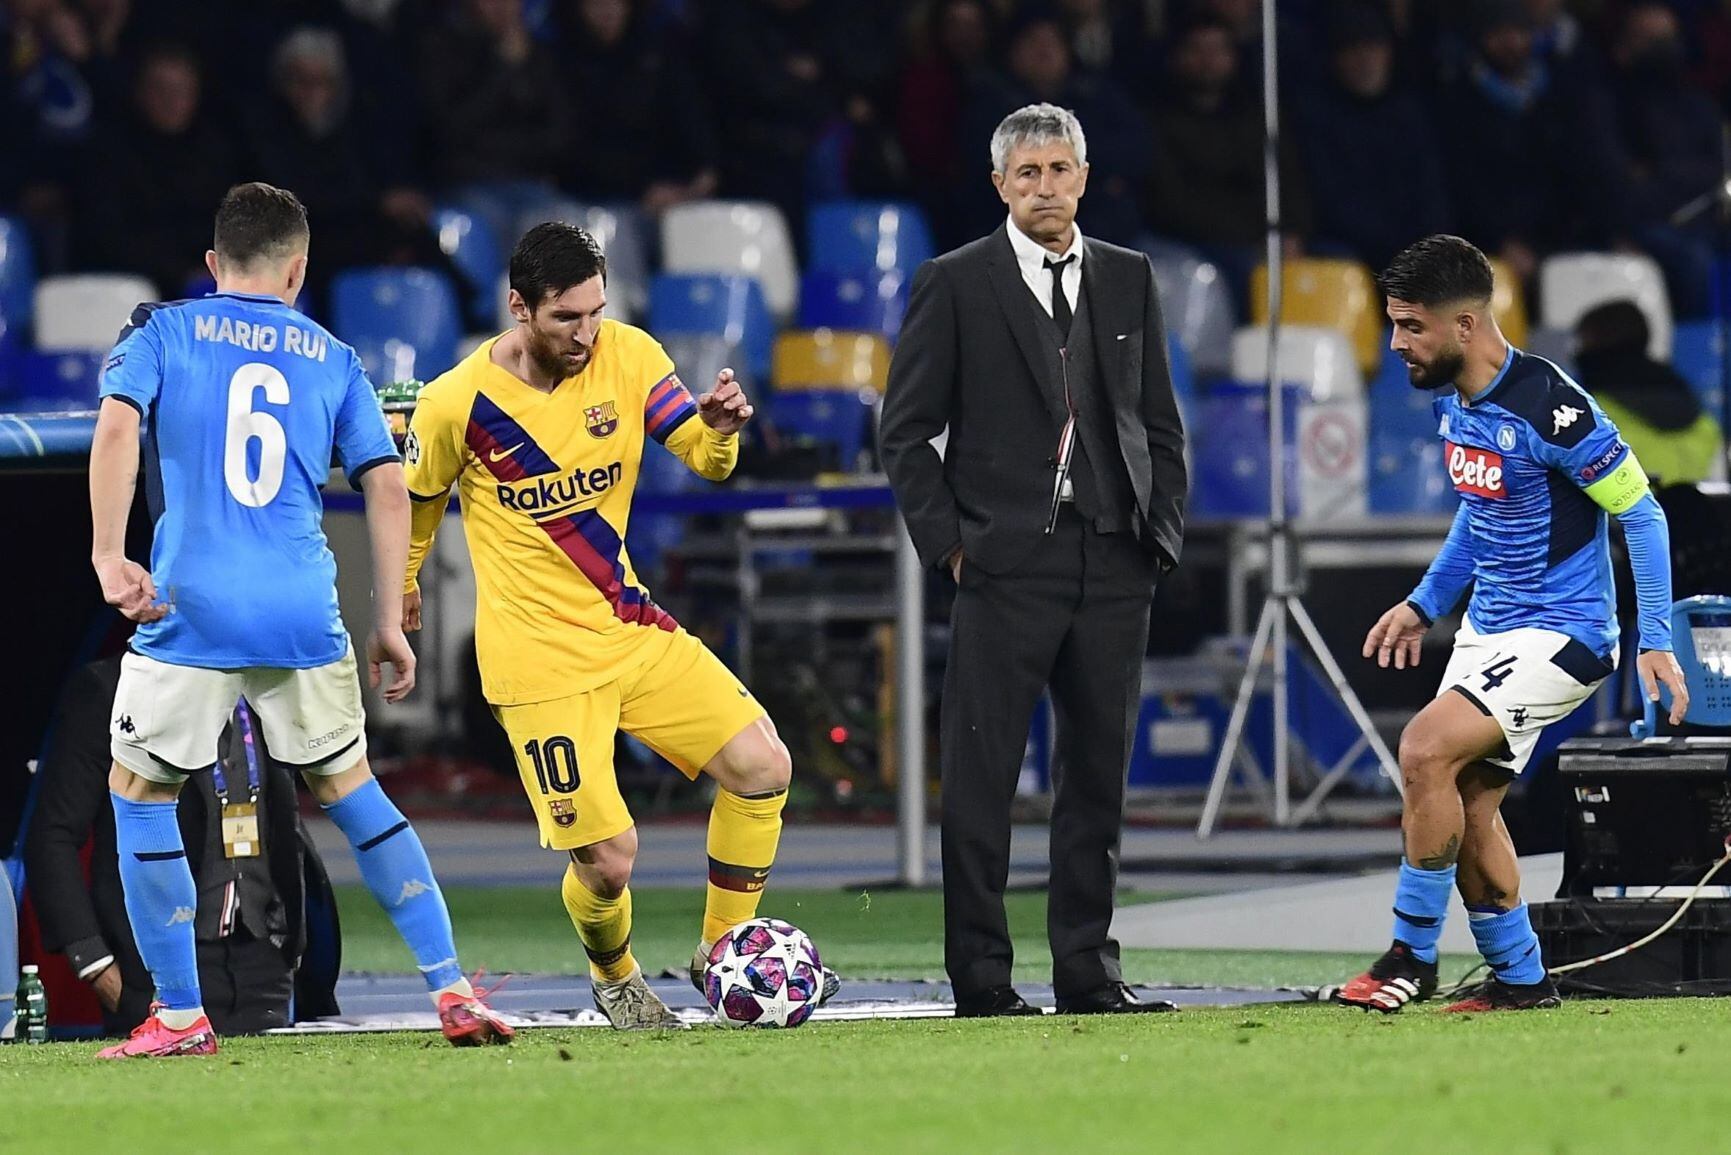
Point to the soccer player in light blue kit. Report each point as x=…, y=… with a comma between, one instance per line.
x=1539, y=468
x=241, y=400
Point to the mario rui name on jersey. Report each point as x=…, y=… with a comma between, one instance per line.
x=258, y=337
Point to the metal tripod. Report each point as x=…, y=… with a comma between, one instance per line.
x=1282, y=601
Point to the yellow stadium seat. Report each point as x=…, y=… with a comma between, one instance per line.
x=1331, y=294
x=831, y=359
x=1509, y=304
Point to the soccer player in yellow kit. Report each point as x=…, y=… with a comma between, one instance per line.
x=542, y=430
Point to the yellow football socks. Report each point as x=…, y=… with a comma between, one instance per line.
x=604, y=925
x=743, y=834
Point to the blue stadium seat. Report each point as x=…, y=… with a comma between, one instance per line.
x=869, y=302
x=51, y=382
x=715, y=303
x=473, y=247
x=1405, y=467
x=1183, y=376
x=17, y=280
x=404, y=322
x=841, y=421
x=1695, y=354
x=867, y=236
x=1229, y=451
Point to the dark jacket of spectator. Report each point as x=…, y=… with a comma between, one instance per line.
x=248, y=952
x=1206, y=185
x=1374, y=185
x=492, y=101
x=151, y=181
x=647, y=133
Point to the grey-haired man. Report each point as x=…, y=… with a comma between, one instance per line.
x=1058, y=502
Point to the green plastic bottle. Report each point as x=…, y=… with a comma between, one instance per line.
x=32, y=1008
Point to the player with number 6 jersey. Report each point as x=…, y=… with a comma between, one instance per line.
x=1539, y=469
x=241, y=401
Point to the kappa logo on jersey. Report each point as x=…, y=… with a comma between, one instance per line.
x=1564, y=416
x=1476, y=471
x=601, y=420
x=1443, y=429
x=413, y=888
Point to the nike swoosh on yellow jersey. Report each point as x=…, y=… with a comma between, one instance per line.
x=502, y=454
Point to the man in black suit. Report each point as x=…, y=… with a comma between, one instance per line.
x=1055, y=505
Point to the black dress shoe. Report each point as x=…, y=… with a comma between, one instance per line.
x=992, y=1003
x=1112, y=999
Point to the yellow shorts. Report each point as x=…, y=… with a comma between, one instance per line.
x=683, y=703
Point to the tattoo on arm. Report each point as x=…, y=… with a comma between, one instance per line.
x=1444, y=858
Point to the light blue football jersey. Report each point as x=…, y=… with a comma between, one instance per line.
x=243, y=400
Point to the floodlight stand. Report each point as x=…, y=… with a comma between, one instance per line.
x=1282, y=602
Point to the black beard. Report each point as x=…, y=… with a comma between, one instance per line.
x=548, y=360
x=1442, y=371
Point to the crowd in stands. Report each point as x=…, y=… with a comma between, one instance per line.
x=1528, y=126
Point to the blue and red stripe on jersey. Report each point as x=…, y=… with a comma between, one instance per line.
x=585, y=536
x=669, y=406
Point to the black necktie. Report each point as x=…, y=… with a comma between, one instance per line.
x=1060, y=302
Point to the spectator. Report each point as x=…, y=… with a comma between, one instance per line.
x=113, y=35
x=45, y=111
x=251, y=920
x=306, y=138
x=151, y=180
x=952, y=47
x=816, y=71
x=1671, y=145
x=655, y=143
x=1039, y=70
x=1528, y=155
x=1207, y=186
x=1650, y=403
x=494, y=106
x=1370, y=195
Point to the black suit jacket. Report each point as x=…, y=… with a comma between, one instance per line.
x=975, y=355
x=86, y=919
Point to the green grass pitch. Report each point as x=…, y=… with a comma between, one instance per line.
x=1607, y=1076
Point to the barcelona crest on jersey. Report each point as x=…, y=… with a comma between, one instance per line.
x=601, y=420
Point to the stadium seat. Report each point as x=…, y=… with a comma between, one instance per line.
x=867, y=236
x=1509, y=303
x=621, y=231
x=1696, y=354
x=748, y=238
x=1196, y=306
x=867, y=302
x=730, y=306
x=1572, y=283
x=474, y=250
x=47, y=382
x=831, y=359
x=17, y=280
x=825, y=417
x=1406, y=477
x=1183, y=377
x=404, y=322
x=700, y=356
x=86, y=312
x=1329, y=293
x=1319, y=359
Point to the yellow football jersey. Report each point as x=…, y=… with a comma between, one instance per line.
x=546, y=481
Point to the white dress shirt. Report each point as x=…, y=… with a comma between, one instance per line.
x=1031, y=258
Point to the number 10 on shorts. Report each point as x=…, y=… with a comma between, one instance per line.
x=555, y=762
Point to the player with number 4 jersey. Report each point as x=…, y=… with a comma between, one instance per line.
x=241, y=401
x=1539, y=469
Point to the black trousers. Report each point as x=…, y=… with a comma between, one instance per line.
x=1072, y=616
x=245, y=983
